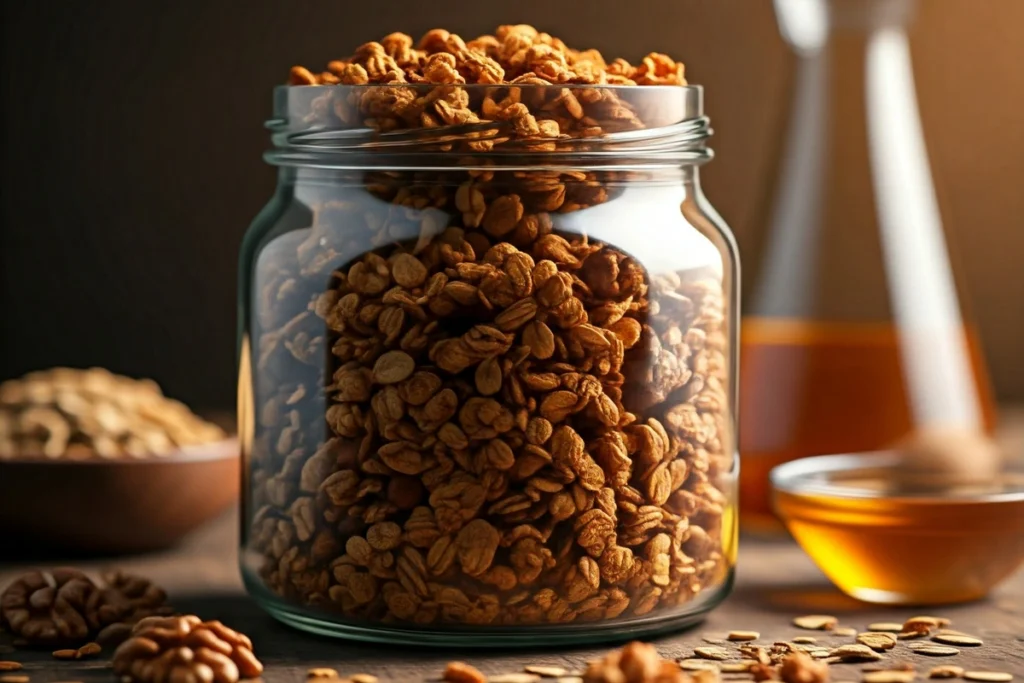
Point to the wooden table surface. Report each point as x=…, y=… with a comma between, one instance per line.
x=775, y=582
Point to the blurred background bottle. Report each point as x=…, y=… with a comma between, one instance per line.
x=854, y=331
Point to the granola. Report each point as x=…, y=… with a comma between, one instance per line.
x=466, y=410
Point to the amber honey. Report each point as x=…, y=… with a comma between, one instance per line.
x=883, y=547
x=821, y=388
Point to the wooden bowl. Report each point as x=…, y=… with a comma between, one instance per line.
x=125, y=505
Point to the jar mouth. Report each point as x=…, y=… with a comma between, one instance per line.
x=379, y=126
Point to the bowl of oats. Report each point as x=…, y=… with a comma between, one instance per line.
x=95, y=462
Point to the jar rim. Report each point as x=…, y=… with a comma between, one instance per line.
x=325, y=126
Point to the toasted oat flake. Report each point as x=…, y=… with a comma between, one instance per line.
x=698, y=665
x=717, y=653
x=888, y=677
x=743, y=635
x=855, y=652
x=877, y=641
x=735, y=667
x=514, y=678
x=321, y=672
x=362, y=678
x=910, y=635
x=816, y=622
x=14, y=678
x=88, y=650
x=546, y=671
x=946, y=671
x=65, y=654
x=889, y=666
x=805, y=640
x=569, y=679
x=988, y=676
x=936, y=650
x=844, y=631
x=886, y=626
x=951, y=639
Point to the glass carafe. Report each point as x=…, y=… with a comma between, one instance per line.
x=854, y=333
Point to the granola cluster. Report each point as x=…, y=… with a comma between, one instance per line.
x=65, y=607
x=467, y=412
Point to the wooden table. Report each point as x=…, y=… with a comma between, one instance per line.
x=775, y=582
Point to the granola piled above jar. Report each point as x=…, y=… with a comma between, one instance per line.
x=487, y=365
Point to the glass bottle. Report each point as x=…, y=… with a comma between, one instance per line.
x=487, y=383
x=853, y=332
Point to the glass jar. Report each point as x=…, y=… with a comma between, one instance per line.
x=487, y=378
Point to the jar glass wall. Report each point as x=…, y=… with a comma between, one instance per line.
x=487, y=384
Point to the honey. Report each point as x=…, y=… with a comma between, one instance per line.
x=821, y=388
x=895, y=549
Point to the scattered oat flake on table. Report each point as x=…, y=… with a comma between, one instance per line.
x=888, y=677
x=816, y=622
x=718, y=653
x=7, y=665
x=951, y=639
x=988, y=676
x=805, y=640
x=889, y=666
x=569, y=679
x=545, y=671
x=321, y=672
x=844, y=631
x=743, y=635
x=855, y=652
x=362, y=678
x=910, y=635
x=946, y=671
x=697, y=665
x=88, y=650
x=936, y=650
x=886, y=626
x=65, y=654
x=877, y=641
x=514, y=678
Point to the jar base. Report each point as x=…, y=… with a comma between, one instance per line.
x=489, y=637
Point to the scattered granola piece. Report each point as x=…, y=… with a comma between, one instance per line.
x=946, y=671
x=988, y=676
x=514, y=678
x=855, y=652
x=877, y=641
x=936, y=650
x=460, y=672
x=712, y=652
x=545, y=671
x=888, y=677
x=797, y=667
x=321, y=672
x=816, y=622
x=957, y=639
x=886, y=626
x=743, y=636
x=805, y=640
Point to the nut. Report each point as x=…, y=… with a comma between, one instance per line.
x=185, y=648
x=460, y=672
x=797, y=667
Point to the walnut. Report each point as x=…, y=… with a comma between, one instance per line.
x=634, y=663
x=66, y=607
x=799, y=667
x=47, y=608
x=185, y=648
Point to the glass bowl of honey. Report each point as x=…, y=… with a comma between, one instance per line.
x=883, y=544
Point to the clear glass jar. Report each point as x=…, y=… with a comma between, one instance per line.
x=487, y=378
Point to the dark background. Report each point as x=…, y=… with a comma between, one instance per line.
x=133, y=134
